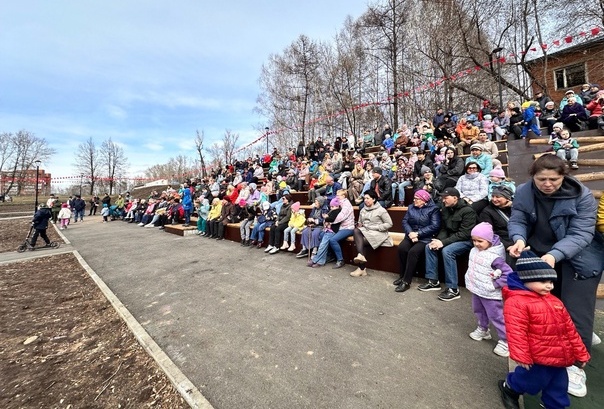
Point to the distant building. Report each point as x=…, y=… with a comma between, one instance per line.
x=25, y=183
x=570, y=68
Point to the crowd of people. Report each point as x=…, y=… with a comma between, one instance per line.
x=459, y=204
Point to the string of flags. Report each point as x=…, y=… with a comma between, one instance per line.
x=593, y=32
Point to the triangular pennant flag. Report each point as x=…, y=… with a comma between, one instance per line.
x=568, y=39
x=557, y=42
x=595, y=31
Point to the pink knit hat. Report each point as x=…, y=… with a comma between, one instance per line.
x=423, y=195
x=497, y=172
x=295, y=206
x=483, y=230
x=334, y=202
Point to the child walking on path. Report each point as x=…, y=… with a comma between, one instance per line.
x=486, y=276
x=64, y=215
x=105, y=212
x=542, y=337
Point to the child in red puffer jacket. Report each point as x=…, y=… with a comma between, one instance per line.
x=542, y=338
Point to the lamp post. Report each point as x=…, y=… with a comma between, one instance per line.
x=266, y=129
x=37, y=162
x=81, y=177
x=497, y=51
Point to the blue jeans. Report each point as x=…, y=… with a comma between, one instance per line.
x=187, y=216
x=321, y=256
x=334, y=242
x=78, y=214
x=401, y=190
x=450, y=254
x=258, y=232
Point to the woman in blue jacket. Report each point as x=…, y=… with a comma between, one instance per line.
x=555, y=215
x=421, y=223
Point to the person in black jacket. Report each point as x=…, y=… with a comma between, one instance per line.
x=277, y=229
x=498, y=213
x=452, y=241
x=79, y=206
x=382, y=185
x=40, y=224
x=449, y=171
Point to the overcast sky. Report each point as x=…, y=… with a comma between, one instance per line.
x=145, y=73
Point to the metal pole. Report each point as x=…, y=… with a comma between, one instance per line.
x=37, y=181
x=81, y=176
x=266, y=129
x=499, y=81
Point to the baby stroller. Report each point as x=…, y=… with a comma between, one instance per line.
x=27, y=243
x=114, y=212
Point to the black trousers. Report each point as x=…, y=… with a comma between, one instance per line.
x=41, y=233
x=276, y=234
x=409, y=255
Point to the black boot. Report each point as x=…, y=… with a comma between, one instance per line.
x=508, y=396
x=398, y=281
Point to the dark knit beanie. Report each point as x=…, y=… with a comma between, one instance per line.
x=531, y=268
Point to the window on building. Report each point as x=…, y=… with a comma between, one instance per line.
x=571, y=76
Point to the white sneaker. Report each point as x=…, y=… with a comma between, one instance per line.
x=479, y=334
x=501, y=349
x=359, y=259
x=595, y=339
x=292, y=247
x=576, y=381
x=275, y=250
x=285, y=246
x=149, y=225
x=141, y=224
x=269, y=248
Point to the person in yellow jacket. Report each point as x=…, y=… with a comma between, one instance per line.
x=319, y=187
x=213, y=216
x=600, y=216
x=296, y=222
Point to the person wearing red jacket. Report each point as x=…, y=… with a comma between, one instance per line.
x=542, y=338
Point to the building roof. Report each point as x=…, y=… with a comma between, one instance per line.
x=568, y=48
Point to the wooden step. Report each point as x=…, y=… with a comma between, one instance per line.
x=587, y=177
x=580, y=139
x=586, y=148
x=180, y=230
x=591, y=162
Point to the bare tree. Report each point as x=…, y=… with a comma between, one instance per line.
x=176, y=169
x=87, y=162
x=217, y=154
x=199, y=147
x=229, y=145
x=113, y=161
x=18, y=153
x=289, y=82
